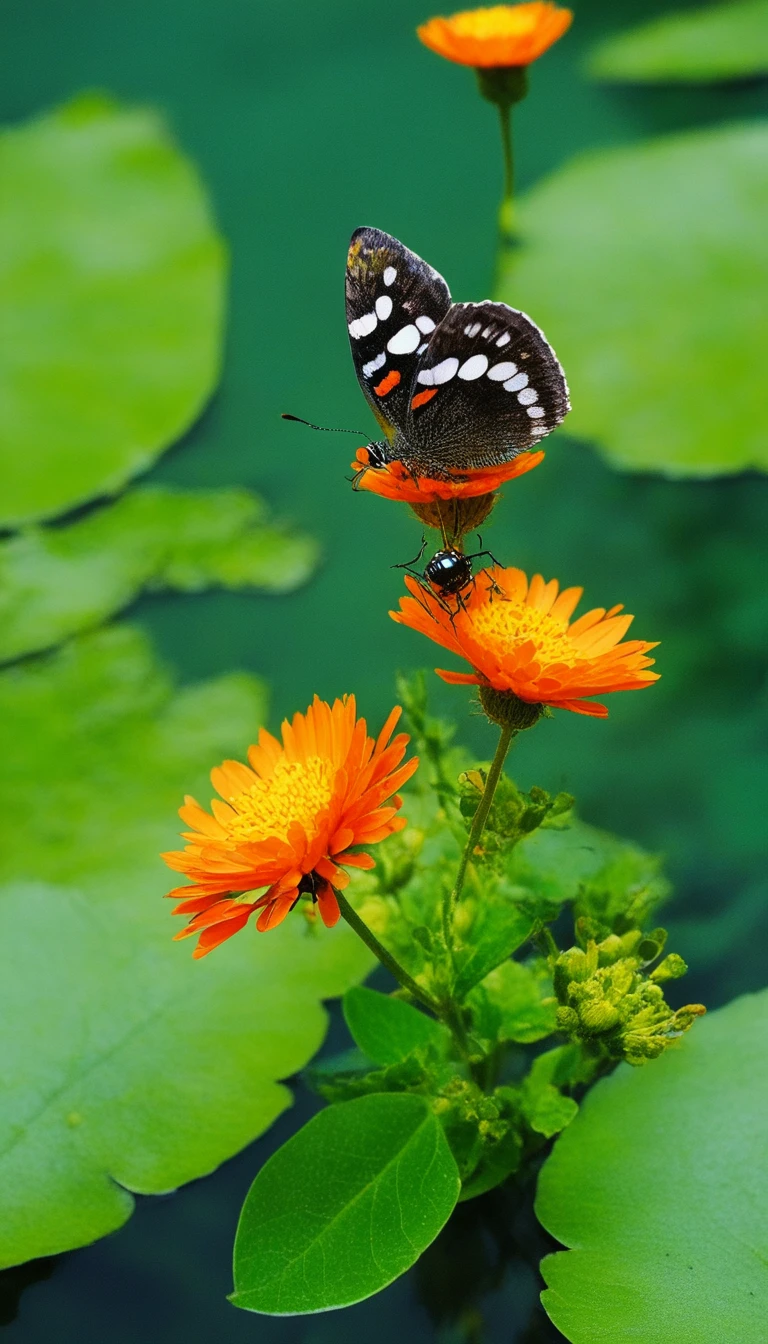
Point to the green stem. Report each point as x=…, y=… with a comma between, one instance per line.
x=505, y=117
x=393, y=966
x=478, y=825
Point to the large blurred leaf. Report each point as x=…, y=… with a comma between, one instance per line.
x=112, y=276
x=125, y=1063
x=645, y=266
x=128, y=1067
x=98, y=749
x=347, y=1205
x=725, y=41
x=55, y=581
x=661, y=1186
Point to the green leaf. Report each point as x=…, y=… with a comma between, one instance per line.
x=514, y=1003
x=726, y=41
x=387, y=1030
x=497, y=1162
x=113, y=280
x=98, y=750
x=345, y=1207
x=491, y=930
x=644, y=266
x=661, y=1186
x=543, y=1105
x=604, y=876
x=132, y=1069
x=55, y=581
x=129, y=1067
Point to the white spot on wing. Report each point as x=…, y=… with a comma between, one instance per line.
x=383, y=307
x=536, y=413
x=504, y=339
x=474, y=367
x=528, y=396
x=517, y=383
x=425, y=324
x=405, y=341
x=441, y=373
x=390, y=276
x=363, y=326
x=472, y=329
x=500, y=372
x=422, y=348
x=374, y=365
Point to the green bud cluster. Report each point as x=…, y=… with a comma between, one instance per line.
x=514, y=813
x=609, y=1000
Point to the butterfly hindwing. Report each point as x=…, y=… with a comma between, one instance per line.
x=488, y=387
x=394, y=303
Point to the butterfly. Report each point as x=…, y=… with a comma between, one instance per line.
x=454, y=386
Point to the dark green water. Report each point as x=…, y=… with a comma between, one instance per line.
x=308, y=120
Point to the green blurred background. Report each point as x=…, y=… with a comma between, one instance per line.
x=307, y=120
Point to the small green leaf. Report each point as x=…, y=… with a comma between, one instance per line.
x=661, y=1186
x=387, y=1030
x=644, y=266
x=113, y=280
x=605, y=876
x=55, y=581
x=726, y=41
x=497, y=1162
x=543, y=1105
x=514, y=1003
x=491, y=929
x=345, y=1207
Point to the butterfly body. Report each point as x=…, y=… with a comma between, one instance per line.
x=455, y=386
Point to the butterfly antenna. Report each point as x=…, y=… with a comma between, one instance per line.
x=327, y=429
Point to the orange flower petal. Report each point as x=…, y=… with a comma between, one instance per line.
x=395, y=481
x=521, y=642
x=503, y=35
x=312, y=795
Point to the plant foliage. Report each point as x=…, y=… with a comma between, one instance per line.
x=643, y=265
x=55, y=581
x=128, y=1067
x=113, y=279
x=718, y=42
x=661, y=1186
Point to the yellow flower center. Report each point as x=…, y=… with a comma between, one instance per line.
x=297, y=792
x=499, y=625
x=499, y=21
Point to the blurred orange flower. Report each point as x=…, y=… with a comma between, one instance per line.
x=394, y=481
x=517, y=638
x=504, y=35
x=288, y=821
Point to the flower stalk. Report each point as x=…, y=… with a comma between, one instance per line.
x=378, y=949
x=476, y=830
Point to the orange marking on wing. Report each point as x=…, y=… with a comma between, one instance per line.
x=392, y=379
x=422, y=398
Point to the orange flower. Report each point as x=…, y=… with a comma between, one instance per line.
x=394, y=481
x=517, y=637
x=288, y=822
x=505, y=35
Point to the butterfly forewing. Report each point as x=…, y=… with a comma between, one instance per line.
x=487, y=387
x=395, y=301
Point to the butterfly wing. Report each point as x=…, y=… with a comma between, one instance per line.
x=394, y=303
x=488, y=386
